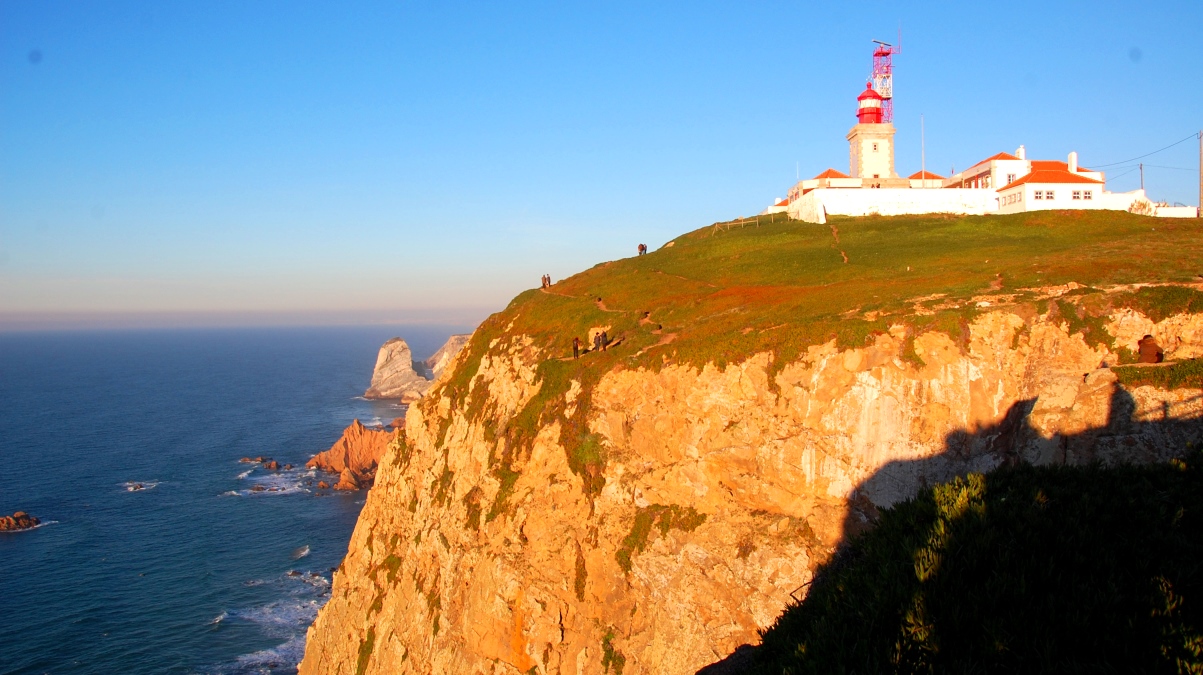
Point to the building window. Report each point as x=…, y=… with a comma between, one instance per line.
x=1048, y=194
x=874, y=147
x=1010, y=178
x=1039, y=194
x=1077, y=194
x=1087, y=195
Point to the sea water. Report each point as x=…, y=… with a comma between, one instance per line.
x=157, y=557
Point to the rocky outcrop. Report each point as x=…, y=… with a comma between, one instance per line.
x=660, y=518
x=394, y=375
x=398, y=376
x=354, y=457
x=437, y=363
x=17, y=522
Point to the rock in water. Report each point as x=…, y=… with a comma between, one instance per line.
x=347, y=481
x=394, y=376
x=17, y=522
x=438, y=361
x=359, y=450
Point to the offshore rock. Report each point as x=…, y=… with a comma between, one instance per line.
x=357, y=452
x=394, y=375
x=438, y=361
x=721, y=491
x=347, y=480
x=17, y=522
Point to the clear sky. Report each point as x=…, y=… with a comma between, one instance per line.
x=265, y=162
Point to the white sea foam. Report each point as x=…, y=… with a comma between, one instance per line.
x=140, y=485
x=286, y=619
x=244, y=474
x=300, y=552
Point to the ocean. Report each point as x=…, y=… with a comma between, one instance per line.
x=194, y=573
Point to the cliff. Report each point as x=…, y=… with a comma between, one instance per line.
x=355, y=456
x=649, y=508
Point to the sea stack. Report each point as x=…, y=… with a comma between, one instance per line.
x=397, y=377
x=437, y=363
x=394, y=376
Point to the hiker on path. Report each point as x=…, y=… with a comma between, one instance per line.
x=596, y=341
x=642, y=249
x=576, y=348
x=1150, y=351
x=604, y=340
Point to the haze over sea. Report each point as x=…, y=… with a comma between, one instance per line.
x=190, y=575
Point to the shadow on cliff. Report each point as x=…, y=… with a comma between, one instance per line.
x=1009, y=552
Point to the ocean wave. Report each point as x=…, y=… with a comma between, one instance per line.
x=244, y=474
x=140, y=485
x=302, y=594
x=300, y=552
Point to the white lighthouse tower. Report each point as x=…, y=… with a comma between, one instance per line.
x=871, y=142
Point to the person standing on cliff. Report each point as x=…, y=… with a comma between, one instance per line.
x=605, y=340
x=1150, y=351
x=596, y=341
x=576, y=348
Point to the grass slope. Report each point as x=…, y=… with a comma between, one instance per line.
x=1032, y=570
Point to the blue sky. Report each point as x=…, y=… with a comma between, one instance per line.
x=270, y=162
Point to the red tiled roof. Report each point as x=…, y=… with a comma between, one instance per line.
x=924, y=175
x=1050, y=176
x=1001, y=155
x=831, y=173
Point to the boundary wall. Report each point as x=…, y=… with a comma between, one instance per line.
x=816, y=205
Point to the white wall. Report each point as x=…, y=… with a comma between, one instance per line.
x=1177, y=212
x=816, y=205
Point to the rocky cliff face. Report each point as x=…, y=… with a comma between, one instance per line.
x=653, y=520
x=355, y=456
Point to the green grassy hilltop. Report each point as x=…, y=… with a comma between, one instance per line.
x=727, y=291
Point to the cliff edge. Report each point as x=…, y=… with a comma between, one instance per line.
x=649, y=507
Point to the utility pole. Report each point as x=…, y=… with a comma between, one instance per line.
x=1201, y=173
x=1142, y=176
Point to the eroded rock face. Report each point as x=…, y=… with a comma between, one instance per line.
x=721, y=491
x=394, y=375
x=354, y=457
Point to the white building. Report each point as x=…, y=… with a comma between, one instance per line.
x=1003, y=183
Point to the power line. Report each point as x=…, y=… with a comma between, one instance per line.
x=1103, y=166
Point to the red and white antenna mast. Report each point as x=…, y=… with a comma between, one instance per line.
x=883, y=75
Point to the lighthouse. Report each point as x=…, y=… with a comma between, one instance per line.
x=871, y=142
